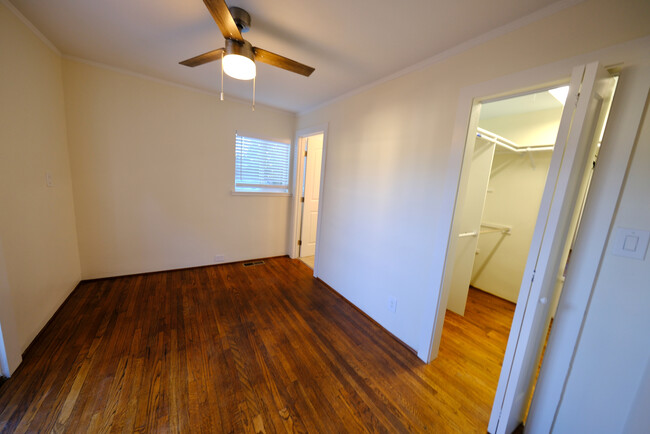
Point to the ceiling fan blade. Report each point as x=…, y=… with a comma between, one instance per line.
x=273, y=59
x=224, y=19
x=210, y=56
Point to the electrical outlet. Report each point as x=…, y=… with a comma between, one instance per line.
x=392, y=304
x=219, y=258
x=49, y=181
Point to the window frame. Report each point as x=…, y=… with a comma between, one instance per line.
x=254, y=189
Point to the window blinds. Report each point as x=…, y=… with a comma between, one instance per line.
x=261, y=165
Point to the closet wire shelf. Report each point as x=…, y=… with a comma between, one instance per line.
x=508, y=144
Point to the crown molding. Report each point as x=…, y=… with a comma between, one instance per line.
x=485, y=37
x=30, y=26
x=128, y=72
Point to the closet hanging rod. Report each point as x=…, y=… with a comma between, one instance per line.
x=494, y=227
x=508, y=144
x=491, y=228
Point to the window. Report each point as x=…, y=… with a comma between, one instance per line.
x=261, y=166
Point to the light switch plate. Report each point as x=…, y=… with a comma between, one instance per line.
x=631, y=243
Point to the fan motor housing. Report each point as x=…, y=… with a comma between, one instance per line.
x=242, y=18
x=241, y=48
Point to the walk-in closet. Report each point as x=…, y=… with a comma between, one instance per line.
x=511, y=157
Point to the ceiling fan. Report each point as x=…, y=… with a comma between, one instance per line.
x=239, y=56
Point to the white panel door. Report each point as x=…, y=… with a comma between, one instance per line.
x=590, y=85
x=314, y=149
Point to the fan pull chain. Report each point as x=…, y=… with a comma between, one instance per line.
x=253, y=93
x=222, y=76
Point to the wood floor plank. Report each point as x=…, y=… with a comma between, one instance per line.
x=233, y=349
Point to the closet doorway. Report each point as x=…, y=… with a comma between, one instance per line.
x=554, y=219
x=513, y=146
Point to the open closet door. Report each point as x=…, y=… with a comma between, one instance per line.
x=590, y=86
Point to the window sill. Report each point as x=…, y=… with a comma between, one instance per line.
x=260, y=193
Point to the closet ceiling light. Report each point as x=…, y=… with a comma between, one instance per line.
x=560, y=93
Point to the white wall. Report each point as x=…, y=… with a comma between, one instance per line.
x=388, y=151
x=37, y=223
x=608, y=381
x=638, y=419
x=153, y=170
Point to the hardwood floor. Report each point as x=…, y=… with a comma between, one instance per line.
x=309, y=261
x=230, y=348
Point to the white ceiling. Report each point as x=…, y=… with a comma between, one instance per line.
x=351, y=43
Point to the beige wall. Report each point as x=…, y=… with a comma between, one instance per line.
x=37, y=223
x=388, y=151
x=153, y=170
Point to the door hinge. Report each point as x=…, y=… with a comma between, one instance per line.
x=302, y=199
x=532, y=279
x=300, y=242
x=305, y=153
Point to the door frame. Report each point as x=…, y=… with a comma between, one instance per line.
x=605, y=189
x=434, y=300
x=298, y=180
x=608, y=178
x=467, y=114
x=582, y=118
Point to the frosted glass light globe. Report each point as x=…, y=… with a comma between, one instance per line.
x=239, y=67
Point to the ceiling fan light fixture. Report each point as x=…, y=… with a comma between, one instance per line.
x=239, y=60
